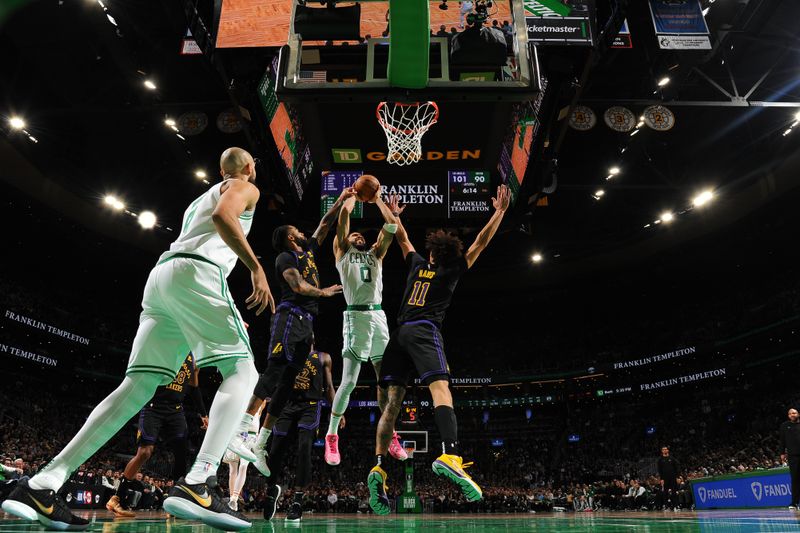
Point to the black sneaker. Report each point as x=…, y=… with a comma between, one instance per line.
x=271, y=505
x=295, y=512
x=43, y=505
x=204, y=502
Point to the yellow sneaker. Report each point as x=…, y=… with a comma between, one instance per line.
x=452, y=467
x=376, y=482
x=115, y=506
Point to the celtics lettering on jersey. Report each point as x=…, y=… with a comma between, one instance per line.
x=361, y=273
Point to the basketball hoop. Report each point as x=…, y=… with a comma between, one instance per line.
x=404, y=126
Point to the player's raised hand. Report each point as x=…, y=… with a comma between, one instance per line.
x=333, y=290
x=394, y=205
x=348, y=192
x=503, y=198
x=349, y=204
x=261, y=297
x=203, y=422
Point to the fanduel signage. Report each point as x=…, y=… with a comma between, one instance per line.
x=46, y=327
x=682, y=380
x=680, y=352
x=767, y=488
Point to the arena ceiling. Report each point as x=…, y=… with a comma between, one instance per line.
x=76, y=72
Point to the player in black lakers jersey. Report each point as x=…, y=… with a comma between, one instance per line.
x=417, y=344
x=302, y=413
x=163, y=417
x=292, y=326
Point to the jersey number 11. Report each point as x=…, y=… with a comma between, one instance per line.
x=419, y=293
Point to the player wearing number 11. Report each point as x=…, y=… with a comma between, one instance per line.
x=417, y=344
x=365, y=329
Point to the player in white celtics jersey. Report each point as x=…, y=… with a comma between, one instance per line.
x=186, y=307
x=365, y=329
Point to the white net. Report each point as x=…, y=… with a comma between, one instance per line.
x=404, y=125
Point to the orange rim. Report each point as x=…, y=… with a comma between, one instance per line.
x=412, y=104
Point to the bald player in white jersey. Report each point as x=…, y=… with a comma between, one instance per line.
x=365, y=330
x=186, y=307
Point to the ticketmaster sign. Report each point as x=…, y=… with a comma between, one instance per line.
x=765, y=488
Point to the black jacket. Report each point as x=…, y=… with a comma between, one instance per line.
x=790, y=438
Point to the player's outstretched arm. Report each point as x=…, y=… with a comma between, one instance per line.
x=500, y=204
x=238, y=197
x=340, y=244
x=402, y=236
x=331, y=216
x=389, y=228
x=301, y=286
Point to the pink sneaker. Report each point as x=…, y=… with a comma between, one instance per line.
x=332, y=456
x=396, y=449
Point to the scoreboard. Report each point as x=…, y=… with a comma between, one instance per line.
x=468, y=193
x=459, y=194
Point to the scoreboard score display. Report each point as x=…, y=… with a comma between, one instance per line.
x=464, y=194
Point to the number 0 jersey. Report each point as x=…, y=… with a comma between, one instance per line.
x=429, y=289
x=362, y=277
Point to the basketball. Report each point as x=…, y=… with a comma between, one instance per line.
x=366, y=186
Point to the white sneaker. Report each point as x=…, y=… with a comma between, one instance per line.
x=234, y=505
x=260, y=461
x=792, y=507
x=239, y=446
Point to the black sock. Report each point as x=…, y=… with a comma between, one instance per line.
x=122, y=490
x=298, y=497
x=379, y=459
x=446, y=423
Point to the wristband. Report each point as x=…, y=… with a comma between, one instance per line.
x=390, y=228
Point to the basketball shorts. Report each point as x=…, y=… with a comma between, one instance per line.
x=366, y=334
x=414, y=346
x=164, y=421
x=304, y=413
x=187, y=307
x=291, y=336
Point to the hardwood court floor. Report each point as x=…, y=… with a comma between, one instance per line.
x=602, y=522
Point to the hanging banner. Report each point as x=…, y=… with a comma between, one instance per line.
x=659, y=118
x=620, y=119
x=623, y=38
x=547, y=25
x=680, y=25
x=582, y=118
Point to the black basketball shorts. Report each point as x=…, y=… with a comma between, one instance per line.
x=304, y=413
x=413, y=346
x=165, y=421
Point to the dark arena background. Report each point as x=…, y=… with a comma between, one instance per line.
x=642, y=290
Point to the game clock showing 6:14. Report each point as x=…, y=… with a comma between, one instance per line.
x=468, y=193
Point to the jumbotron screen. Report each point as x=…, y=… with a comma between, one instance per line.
x=454, y=194
x=255, y=23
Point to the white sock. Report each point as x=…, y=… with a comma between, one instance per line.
x=263, y=437
x=223, y=417
x=247, y=421
x=350, y=371
x=102, y=424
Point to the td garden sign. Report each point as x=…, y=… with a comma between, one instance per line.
x=355, y=155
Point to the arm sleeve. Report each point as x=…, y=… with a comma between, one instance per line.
x=197, y=398
x=284, y=262
x=7, y=469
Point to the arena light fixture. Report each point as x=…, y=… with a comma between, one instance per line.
x=703, y=198
x=599, y=193
x=147, y=219
x=640, y=124
x=150, y=85
x=787, y=132
x=797, y=116
x=181, y=137
x=16, y=123
x=169, y=122
x=536, y=258
x=200, y=174
x=663, y=81
x=613, y=171
x=667, y=217
x=634, y=132
x=110, y=200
